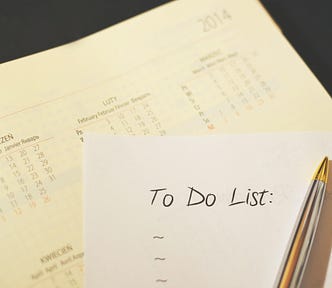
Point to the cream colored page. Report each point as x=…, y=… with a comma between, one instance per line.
x=177, y=50
x=190, y=67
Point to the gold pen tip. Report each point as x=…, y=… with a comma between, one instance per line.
x=322, y=171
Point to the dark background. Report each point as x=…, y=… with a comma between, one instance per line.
x=30, y=26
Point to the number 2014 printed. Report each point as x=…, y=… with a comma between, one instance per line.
x=214, y=20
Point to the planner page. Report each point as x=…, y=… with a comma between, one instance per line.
x=189, y=67
x=211, y=211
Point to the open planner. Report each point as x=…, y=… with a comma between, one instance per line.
x=192, y=67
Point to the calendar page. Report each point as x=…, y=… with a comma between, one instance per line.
x=189, y=67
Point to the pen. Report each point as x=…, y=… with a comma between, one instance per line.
x=296, y=257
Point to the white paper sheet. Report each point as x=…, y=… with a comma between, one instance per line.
x=136, y=237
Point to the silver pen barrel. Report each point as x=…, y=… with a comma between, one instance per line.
x=297, y=254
